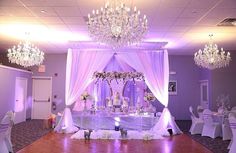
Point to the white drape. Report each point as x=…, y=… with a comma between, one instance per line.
x=81, y=65
x=155, y=67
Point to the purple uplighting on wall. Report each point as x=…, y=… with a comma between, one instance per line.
x=7, y=91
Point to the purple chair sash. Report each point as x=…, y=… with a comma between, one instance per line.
x=3, y=127
x=232, y=125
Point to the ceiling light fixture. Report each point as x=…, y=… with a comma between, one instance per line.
x=117, y=25
x=43, y=11
x=25, y=54
x=211, y=57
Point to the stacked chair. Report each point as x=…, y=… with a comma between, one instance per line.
x=232, y=122
x=210, y=128
x=197, y=123
x=8, y=121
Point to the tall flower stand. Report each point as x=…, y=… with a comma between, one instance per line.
x=85, y=106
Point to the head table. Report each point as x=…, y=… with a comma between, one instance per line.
x=109, y=121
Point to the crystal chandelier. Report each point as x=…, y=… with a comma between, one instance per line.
x=117, y=25
x=25, y=54
x=211, y=57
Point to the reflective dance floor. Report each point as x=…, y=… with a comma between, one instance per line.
x=61, y=143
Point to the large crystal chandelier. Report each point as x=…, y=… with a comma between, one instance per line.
x=211, y=57
x=117, y=25
x=25, y=54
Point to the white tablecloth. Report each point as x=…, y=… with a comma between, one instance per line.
x=96, y=122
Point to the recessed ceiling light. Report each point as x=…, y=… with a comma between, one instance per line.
x=43, y=11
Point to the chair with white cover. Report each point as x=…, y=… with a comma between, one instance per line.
x=8, y=120
x=199, y=111
x=226, y=130
x=210, y=128
x=197, y=123
x=232, y=122
x=233, y=109
x=3, y=147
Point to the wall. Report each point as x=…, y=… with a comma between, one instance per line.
x=224, y=82
x=7, y=90
x=206, y=74
x=188, y=87
x=56, y=68
x=221, y=81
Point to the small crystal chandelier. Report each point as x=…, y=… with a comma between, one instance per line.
x=211, y=57
x=117, y=25
x=25, y=54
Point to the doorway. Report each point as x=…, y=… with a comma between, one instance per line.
x=42, y=97
x=20, y=99
x=204, y=93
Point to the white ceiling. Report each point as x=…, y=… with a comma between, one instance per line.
x=184, y=24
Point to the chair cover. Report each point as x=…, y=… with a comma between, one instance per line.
x=210, y=128
x=3, y=147
x=233, y=108
x=8, y=120
x=197, y=123
x=199, y=111
x=232, y=122
x=226, y=130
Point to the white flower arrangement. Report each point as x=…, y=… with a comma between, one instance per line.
x=147, y=136
x=109, y=76
x=223, y=101
x=148, y=96
x=85, y=96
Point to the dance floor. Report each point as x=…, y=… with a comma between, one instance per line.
x=61, y=143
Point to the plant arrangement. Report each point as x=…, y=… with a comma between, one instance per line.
x=114, y=75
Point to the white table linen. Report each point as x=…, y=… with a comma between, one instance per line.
x=130, y=122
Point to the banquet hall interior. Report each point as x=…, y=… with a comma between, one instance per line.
x=117, y=76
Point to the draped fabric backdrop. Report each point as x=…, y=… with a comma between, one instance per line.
x=155, y=67
x=100, y=89
x=79, y=71
x=81, y=65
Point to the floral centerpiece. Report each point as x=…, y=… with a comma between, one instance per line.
x=109, y=76
x=223, y=102
x=148, y=96
x=85, y=96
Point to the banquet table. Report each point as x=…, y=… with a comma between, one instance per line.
x=3, y=129
x=108, y=121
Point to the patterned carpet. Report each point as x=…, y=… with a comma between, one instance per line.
x=27, y=132
x=216, y=145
